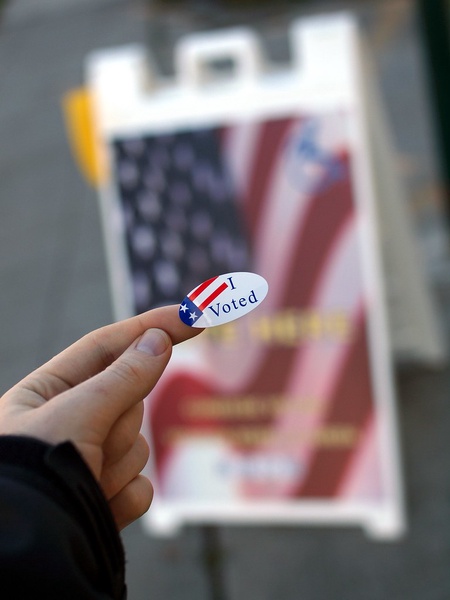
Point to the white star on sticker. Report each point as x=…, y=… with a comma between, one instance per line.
x=183, y=308
x=193, y=316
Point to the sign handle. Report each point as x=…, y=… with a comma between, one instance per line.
x=194, y=53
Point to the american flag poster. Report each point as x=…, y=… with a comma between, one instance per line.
x=274, y=416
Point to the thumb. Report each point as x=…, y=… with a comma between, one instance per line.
x=126, y=382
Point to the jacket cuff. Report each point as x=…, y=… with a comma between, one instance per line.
x=60, y=472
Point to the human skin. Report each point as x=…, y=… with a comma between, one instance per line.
x=92, y=395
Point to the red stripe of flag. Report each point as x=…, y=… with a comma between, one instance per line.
x=213, y=296
x=200, y=288
x=272, y=135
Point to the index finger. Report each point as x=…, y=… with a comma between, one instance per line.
x=98, y=349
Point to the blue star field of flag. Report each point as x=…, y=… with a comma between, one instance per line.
x=181, y=220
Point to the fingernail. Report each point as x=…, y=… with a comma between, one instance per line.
x=153, y=342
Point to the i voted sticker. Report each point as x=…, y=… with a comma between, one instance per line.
x=223, y=299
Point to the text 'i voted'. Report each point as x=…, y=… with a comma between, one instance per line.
x=223, y=299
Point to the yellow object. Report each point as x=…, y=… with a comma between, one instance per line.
x=88, y=152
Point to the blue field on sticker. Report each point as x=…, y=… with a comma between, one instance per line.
x=189, y=312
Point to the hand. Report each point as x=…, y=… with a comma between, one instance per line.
x=92, y=393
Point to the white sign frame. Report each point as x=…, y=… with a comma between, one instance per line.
x=327, y=71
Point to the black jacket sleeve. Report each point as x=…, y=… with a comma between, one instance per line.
x=58, y=539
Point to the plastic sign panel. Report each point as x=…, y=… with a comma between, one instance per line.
x=285, y=414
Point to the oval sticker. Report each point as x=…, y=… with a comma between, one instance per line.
x=223, y=299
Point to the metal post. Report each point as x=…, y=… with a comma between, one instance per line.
x=434, y=21
x=212, y=560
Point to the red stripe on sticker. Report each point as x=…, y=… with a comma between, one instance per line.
x=213, y=296
x=201, y=288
